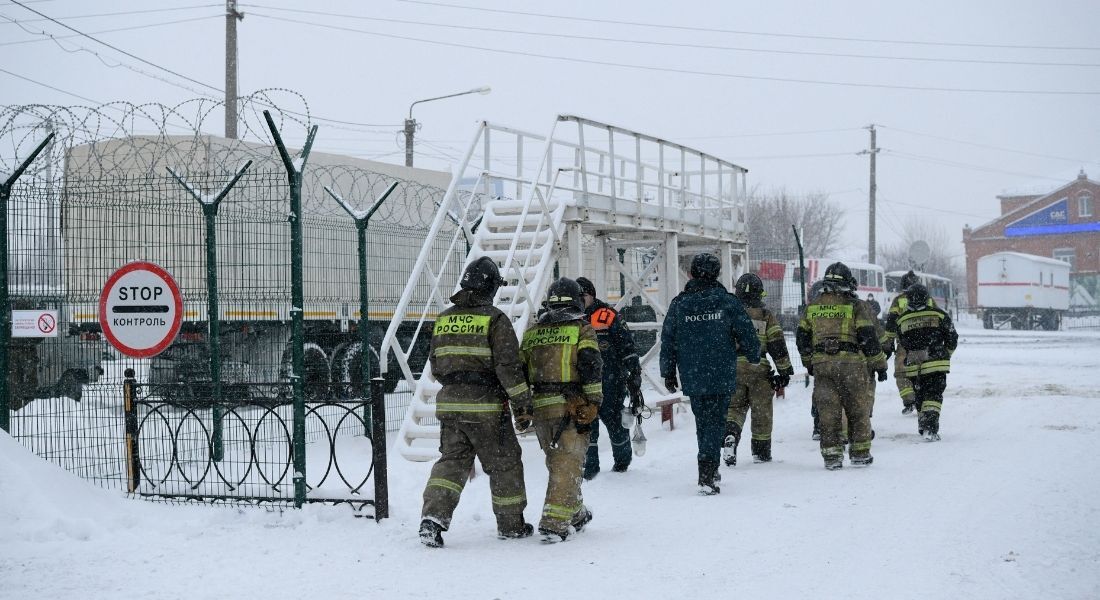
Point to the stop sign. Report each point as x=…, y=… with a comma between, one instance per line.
x=140, y=309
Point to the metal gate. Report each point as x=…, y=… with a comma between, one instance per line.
x=266, y=394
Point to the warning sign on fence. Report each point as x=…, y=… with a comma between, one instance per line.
x=140, y=309
x=34, y=323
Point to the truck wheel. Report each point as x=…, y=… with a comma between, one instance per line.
x=315, y=379
x=352, y=373
x=987, y=320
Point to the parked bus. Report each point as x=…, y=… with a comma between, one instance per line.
x=940, y=289
x=869, y=279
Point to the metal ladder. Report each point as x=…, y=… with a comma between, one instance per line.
x=566, y=200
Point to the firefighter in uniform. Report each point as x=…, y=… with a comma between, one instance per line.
x=899, y=305
x=475, y=355
x=929, y=339
x=621, y=369
x=704, y=327
x=836, y=340
x=756, y=384
x=564, y=369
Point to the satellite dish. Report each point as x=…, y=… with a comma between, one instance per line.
x=919, y=253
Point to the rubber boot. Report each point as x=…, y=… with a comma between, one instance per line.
x=761, y=451
x=431, y=534
x=930, y=427
x=730, y=442
x=708, y=472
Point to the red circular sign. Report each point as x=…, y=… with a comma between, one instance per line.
x=46, y=323
x=140, y=309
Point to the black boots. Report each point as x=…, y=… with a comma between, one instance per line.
x=761, y=451
x=431, y=534
x=708, y=478
x=730, y=442
x=928, y=425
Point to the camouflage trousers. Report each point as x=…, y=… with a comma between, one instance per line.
x=564, y=463
x=755, y=392
x=499, y=452
x=840, y=394
x=905, y=386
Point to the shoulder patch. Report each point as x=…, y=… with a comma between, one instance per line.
x=602, y=318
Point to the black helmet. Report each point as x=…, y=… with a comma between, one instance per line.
x=918, y=296
x=705, y=266
x=587, y=286
x=482, y=276
x=749, y=288
x=565, y=293
x=908, y=280
x=839, y=277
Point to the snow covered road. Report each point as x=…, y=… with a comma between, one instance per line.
x=1006, y=506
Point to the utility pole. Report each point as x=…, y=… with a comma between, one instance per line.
x=232, y=15
x=873, y=150
x=410, y=133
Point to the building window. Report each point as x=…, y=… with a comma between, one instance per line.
x=1084, y=205
x=1067, y=255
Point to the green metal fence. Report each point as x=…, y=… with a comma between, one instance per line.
x=267, y=377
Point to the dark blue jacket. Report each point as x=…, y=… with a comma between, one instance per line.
x=620, y=356
x=702, y=331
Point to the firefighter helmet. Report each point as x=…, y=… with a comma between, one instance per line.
x=565, y=293
x=705, y=266
x=918, y=296
x=482, y=276
x=749, y=288
x=839, y=277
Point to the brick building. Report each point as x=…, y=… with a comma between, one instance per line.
x=1064, y=224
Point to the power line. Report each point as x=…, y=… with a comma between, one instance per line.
x=925, y=207
x=769, y=134
x=683, y=71
x=677, y=44
x=127, y=12
x=65, y=37
x=743, y=32
x=950, y=163
x=947, y=139
x=115, y=48
x=46, y=85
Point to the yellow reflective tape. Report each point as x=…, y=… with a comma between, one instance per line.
x=509, y=500
x=774, y=329
x=567, y=363
x=907, y=392
x=832, y=451
x=588, y=344
x=761, y=437
x=592, y=388
x=478, y=351
x=560, y=512
x=470, y=407
x=445, y=484
x=462, y=325
x=860, y=446
x=931, y=405
x=737, y=419
x=548, y=401
x=517, y=390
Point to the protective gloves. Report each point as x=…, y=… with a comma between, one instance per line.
x=780, y=380
x=881, y=374
x=524, y=416
x=671, y=383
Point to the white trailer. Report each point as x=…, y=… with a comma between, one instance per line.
x=1022, y=291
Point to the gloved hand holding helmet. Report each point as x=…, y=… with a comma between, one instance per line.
x=780, y=381
x=524, y=417
x=582, y=410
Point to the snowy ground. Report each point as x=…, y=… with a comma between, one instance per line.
x=1006, y=506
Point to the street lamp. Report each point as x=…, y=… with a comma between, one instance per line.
x=410, y=123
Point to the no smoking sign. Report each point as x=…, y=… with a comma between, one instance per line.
x=140, y=309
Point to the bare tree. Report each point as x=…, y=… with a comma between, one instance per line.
x=770, y=215
x=896, y=257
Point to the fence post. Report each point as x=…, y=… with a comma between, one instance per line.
x=294, y=169
x=210, y=213
x=378, y=446
x=5, y=304
x=133, y=458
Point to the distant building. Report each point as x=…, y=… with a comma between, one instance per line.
x=1063, y=224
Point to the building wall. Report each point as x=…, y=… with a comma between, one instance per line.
x=991, y=237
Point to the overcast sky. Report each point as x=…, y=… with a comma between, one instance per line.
x=970, y=98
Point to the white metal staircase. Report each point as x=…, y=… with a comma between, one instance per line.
x=570, y=200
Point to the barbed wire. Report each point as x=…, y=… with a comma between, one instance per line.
x=121, y=141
